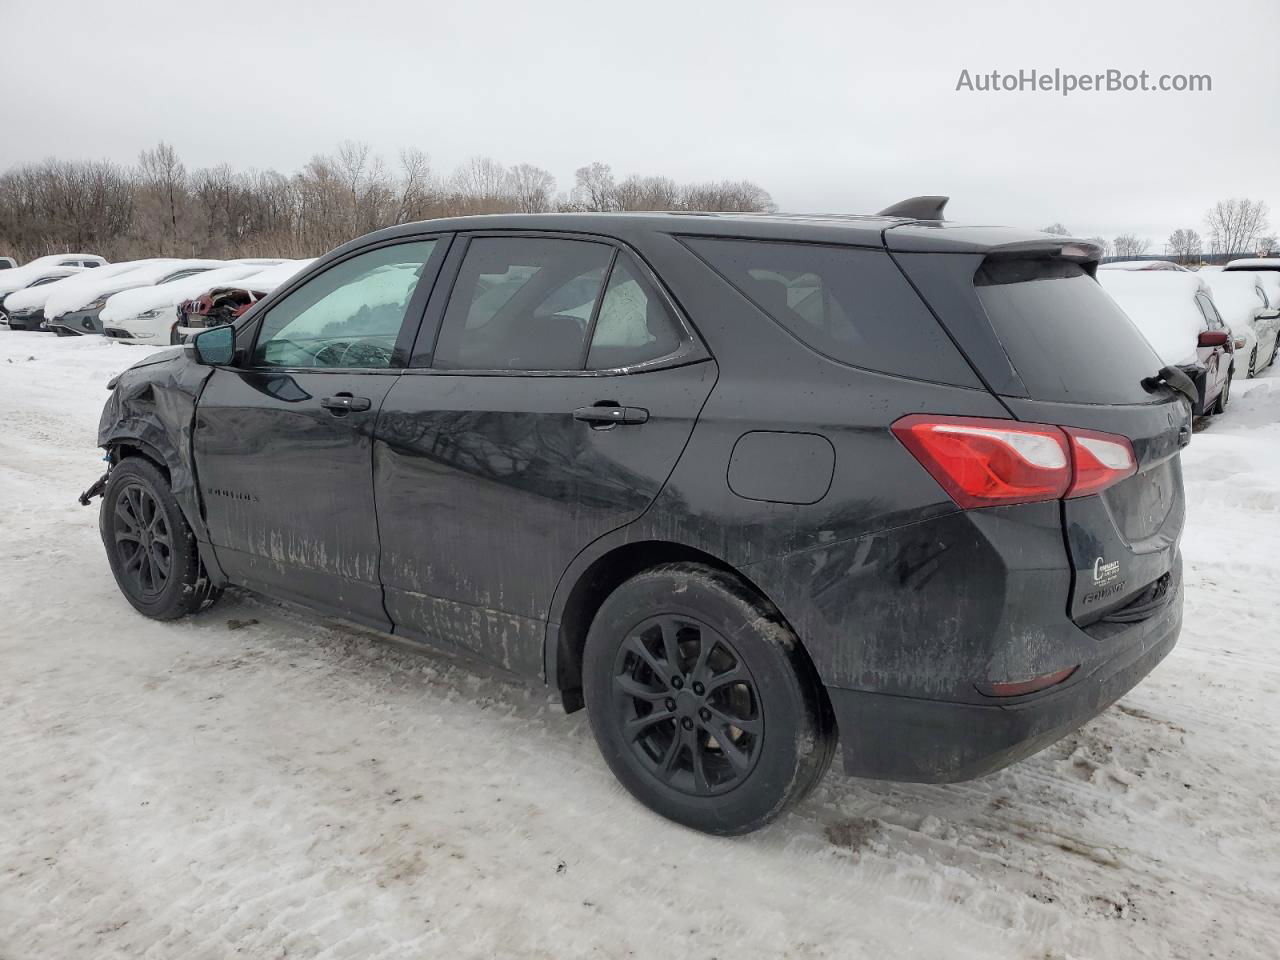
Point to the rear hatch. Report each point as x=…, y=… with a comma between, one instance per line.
x=1057, y=350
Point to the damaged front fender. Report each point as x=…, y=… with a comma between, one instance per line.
x=151, y=411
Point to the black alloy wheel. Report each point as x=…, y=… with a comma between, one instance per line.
x=143, y=543
x=688, y=705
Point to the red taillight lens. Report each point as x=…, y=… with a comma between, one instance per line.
x=1100, y=460
x=982, y=462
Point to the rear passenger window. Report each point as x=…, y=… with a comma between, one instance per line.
x=522, y=303
x=634, y=325
x=850, y=304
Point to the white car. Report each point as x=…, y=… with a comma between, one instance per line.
x=1175, y=311
x=150, y=314
x=78, y=311
x=27, y=305
x=1143, y=266
x=19, y=277
x=15, y=316
x=1240, y=299
x=1267, y=270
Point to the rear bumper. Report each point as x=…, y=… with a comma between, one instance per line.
x=933, y=741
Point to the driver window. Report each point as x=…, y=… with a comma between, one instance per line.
x=349, y=316
x=522, y=303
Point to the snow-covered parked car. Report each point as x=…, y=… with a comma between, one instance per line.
x=17, y=317
x=1175, y=311
x=219, y=305
x=79, y=312
x=1143, y=266
x=1267, y=272
x=25, y=307
x=7, y=263
x=37, y=270
x=1240, y=298
x=1254, y=264
x=150, y=314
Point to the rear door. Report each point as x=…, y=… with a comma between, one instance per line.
x=1062, y=352
x=550, y=410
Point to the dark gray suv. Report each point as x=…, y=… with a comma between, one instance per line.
x=737, y=484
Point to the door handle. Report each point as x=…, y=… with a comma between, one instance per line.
x=345, y=403
x=601, y=415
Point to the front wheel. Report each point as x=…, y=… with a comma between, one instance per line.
x=150, y=547
x=702, y=702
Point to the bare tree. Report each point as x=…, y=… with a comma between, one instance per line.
x=1184, y=244
x=157, y=207
x=1236, y=225
x=1058, y=229
x=1268, y=246
x=738, y=196
x=1104, y=243
x=1128, y=245
x=648, y=193
x=594, y=189
x=417, y=190
x=531, y=188
x=481, y=185
x=163, y=179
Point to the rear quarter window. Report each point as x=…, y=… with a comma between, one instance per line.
x=850, y=304
x=1068, y=340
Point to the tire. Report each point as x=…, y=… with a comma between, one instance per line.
x=735, y=660
x=1253, y=362
x=143, y=529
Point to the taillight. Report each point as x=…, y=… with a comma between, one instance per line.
x=983, y=462
x=1100, y=460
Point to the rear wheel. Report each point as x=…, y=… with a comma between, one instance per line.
x=150, y=547
x=702, y=702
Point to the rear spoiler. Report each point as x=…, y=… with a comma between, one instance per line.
x=1078, y=251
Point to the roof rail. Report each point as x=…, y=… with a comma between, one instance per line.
x=917, y=208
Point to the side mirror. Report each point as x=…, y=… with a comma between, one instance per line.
x=215, y=347
x=1214, y=338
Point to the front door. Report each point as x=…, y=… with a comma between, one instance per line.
x=283, y=441
x=551, y=411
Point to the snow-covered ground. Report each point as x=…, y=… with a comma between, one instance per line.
x=262, y=782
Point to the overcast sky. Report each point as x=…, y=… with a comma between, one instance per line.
x=842, y=107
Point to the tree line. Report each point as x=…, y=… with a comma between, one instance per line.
x=1234, y=227
x=157, y=207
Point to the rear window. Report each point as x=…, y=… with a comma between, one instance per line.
x=1068, y=340
x=850, y=304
